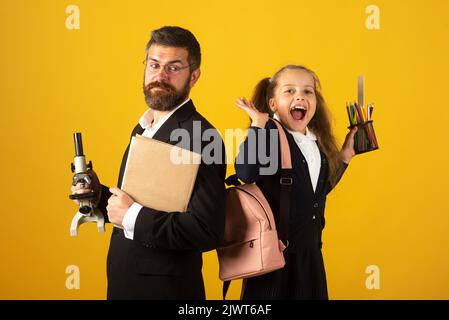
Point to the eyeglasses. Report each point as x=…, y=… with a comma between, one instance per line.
x=170, y=68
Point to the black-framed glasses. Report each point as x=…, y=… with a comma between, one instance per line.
x=170, y=68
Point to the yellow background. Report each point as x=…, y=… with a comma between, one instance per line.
x=390, y=209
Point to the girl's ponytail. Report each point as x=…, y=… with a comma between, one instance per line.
x=262, y=94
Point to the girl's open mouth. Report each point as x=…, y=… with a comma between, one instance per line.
x=298, y=112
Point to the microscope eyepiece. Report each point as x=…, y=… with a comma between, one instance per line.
x=78, y=144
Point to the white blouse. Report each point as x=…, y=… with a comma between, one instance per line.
x=309, y=148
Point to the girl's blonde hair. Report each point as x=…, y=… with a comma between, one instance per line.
x=320, y=124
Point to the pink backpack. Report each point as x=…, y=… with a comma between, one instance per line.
x=251, y=245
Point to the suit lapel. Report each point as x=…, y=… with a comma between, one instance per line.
x=138, y=130
x=174, y=122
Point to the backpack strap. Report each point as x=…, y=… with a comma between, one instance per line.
x=286, y=184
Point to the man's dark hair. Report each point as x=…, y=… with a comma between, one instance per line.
x=179, y=38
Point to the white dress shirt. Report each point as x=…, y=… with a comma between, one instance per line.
x=309, y=148
x=129, y=220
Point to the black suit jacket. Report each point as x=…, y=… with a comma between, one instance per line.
x=164, y=259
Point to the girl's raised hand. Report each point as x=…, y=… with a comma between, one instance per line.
x=258, y=119
x=347, y=151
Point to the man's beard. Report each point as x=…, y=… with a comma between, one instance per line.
x=167, y=99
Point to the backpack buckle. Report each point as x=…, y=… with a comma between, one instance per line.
x=286, y=181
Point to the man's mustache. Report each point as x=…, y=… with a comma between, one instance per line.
x=158, y=84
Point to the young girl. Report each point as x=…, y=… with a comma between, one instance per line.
x=293, y=97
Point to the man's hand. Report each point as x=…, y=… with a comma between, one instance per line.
x=118, y=205
x=85, y=188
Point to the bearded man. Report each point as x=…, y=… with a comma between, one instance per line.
x=155, y=254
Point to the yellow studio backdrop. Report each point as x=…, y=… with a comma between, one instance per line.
x=386, y=234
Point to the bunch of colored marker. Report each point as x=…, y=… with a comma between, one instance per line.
x=365, y=138
x=358, y=115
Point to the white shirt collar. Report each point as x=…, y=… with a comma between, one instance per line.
x=146, y=119
x=300, y=137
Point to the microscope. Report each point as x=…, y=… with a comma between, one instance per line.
x=87, y=212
